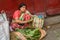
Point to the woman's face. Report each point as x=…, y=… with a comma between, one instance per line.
x=23, y=8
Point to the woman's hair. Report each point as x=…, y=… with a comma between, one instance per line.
x=21, y=5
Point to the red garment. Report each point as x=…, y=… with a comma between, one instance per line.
x=16, y=14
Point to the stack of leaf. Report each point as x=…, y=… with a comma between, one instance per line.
x=30, y=34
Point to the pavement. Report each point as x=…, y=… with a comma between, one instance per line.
x=52, y=20
x=53, y=33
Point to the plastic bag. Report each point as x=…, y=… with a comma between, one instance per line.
x=38, y=21
x=4, y=27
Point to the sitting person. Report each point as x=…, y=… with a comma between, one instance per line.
x=20, y=20
x=21, y=16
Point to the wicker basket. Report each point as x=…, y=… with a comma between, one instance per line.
x=43, y=34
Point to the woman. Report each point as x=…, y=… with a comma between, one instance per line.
x=18, y=15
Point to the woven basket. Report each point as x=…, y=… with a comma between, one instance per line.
x=43, y=34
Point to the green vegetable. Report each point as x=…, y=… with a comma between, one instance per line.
x=30, y=34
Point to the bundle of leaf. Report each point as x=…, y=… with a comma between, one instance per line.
x=30, y=34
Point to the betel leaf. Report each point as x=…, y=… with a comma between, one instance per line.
x=31, y=34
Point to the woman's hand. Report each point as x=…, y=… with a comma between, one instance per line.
x=19, y=21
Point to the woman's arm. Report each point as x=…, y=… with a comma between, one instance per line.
x=16, y=16
x=19, y=21
x=29, y=13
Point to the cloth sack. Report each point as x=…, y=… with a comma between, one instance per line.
x=4, y=27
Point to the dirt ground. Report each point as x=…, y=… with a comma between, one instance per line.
x=53, y=33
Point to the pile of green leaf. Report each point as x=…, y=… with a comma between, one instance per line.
x=30, y=34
